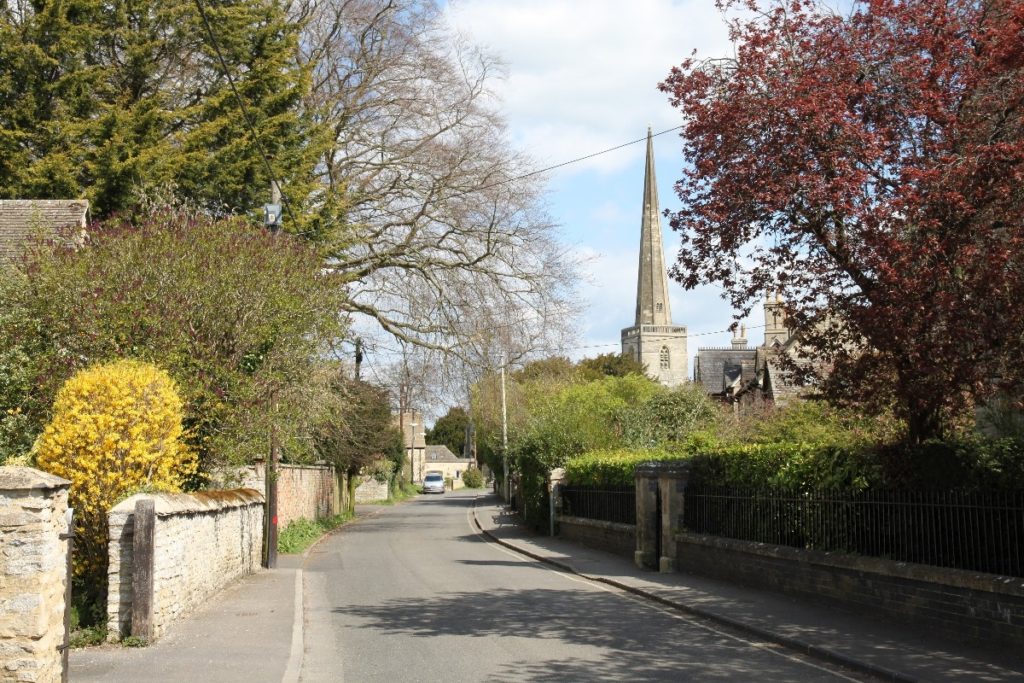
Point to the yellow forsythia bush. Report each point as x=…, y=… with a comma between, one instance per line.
x=116, y=429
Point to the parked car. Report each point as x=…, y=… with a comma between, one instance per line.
x=433, y=483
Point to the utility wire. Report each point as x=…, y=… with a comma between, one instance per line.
x=382, y=346
x=589, y=156
x=241, y=104
x=559, y=165
x=266, y=161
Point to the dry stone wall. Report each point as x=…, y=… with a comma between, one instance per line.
x=33, y=573
x=202, y=542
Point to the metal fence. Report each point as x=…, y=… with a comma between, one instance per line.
x=609, y=504
x=973, y=531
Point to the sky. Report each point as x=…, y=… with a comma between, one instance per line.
x=582, y=77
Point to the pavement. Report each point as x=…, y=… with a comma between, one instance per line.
x=253, y=630
x=871, y=645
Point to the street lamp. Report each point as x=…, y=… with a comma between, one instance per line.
x=412, y=452
x=423, y=454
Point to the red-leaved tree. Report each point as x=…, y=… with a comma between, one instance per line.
x=869, y=167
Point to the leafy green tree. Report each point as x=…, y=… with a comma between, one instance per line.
x=450, y=430
x=610, y=365
x=579, y=418
x=668, y=417
x=524, y=387
x=359, y=434
x=238, y=317
x=110, y=100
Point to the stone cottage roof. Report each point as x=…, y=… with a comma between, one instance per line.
x=441, y=454
x=719, y=370
x=23, y=219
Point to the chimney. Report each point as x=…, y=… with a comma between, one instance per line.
x=739, y=339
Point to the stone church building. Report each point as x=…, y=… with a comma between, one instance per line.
x=734, y=373
x=654, y=339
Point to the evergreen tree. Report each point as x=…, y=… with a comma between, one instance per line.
x=450, y=430
x=114, y=100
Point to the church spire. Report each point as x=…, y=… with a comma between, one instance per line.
x=652, y=305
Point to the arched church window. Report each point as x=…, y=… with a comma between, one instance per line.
x=658, y=306
x=666, y=361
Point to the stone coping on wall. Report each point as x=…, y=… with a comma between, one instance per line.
x=29, y=478
x=168, y=504
x=597, y=523
x=958, y=578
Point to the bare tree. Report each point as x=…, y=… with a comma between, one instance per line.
x=432, y=218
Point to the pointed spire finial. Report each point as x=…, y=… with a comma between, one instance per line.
x=652, y=302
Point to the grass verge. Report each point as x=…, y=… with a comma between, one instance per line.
x=302, y=533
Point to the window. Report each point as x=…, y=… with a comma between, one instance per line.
x=666, y=361
x=658, y=306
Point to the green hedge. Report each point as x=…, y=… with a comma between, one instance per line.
x=966, y=464
x=610, y=467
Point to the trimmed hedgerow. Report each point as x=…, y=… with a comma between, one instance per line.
x=610, y=467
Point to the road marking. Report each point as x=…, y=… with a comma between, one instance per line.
x=291, y=673
x=639, y=600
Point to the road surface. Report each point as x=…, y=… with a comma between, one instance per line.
x=414, y=593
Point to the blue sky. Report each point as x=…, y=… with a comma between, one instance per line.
x=582, y=76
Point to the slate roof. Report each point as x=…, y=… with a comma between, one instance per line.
x=721, y=369
x=23, y=219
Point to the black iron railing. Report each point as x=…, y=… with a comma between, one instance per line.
x=976, y=531
x=602, y=503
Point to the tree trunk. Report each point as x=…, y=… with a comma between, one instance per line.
x=351, y=486
x=924, y=422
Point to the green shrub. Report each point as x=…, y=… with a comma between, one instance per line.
x=116, y=429
x=236, y=315
x=88, y=636
x=970, y=463
x=668, y=418
x=610, y=467
x=473, y=478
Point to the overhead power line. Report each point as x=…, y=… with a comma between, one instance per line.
x=266, y=159
x=591, y=156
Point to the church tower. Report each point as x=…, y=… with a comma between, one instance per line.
x=653, y=339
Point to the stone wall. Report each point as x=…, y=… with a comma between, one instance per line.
x=33, y=573
x=370, y=491
x=303, y=491
x=619, y=539
x=202, y=542
x=960, y=604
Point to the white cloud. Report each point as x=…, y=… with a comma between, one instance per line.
x=583, y=74
x=582, y=77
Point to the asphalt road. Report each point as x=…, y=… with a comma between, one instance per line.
x=414, y=593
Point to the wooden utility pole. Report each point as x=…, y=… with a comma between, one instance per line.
x=271, y=487
x=504, y=433
x=270, y=472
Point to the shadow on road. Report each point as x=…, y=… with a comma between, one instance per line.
x=607, y=637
